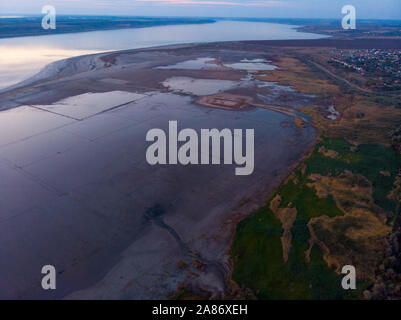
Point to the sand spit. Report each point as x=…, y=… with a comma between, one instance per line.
x=78, y=193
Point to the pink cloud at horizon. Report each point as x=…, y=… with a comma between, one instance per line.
x=268, y=3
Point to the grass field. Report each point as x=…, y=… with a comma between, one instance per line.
x=257, y=250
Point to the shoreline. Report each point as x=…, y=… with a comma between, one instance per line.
x=248, y=197
x=100, y=41
x=362, y=43
x=297, y=24
x=198, y=229
x=85, y=20
x=291, y=169
x=122, y=65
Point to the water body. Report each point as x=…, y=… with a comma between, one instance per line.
x=252, y=65
x=22, y=57
x=199, y=87
x=74, y=193
x=76, y=185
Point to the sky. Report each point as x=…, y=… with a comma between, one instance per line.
x=365, y=9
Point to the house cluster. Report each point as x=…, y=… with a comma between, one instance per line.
x=382, y=65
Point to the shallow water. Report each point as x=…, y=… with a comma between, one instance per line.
x=252, y=65
x=25, y=56
x=74, y=191
x=88, y=104
x=199, y=87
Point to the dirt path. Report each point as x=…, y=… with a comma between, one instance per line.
x=353, y=85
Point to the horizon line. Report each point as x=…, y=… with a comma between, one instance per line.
x=23, y=15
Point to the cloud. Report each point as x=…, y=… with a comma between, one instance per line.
x=366, y=9
x=267, y=3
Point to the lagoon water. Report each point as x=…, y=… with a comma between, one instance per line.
x=22, y=57
x=75, y=187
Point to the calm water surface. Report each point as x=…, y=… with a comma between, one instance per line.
x=23, y=57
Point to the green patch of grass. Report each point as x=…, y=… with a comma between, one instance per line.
x=376, y=158
x=308, y=204
x=257, y=251
x=368, y=160
x=350, y=157
x=339, y=145
x=258, y=256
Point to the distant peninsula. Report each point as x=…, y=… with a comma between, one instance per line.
x=31, y=25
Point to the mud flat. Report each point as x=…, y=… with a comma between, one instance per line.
x=77, y=192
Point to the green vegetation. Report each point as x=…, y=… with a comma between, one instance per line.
x=369, y=160
x=257, y=251
x=258, y=256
